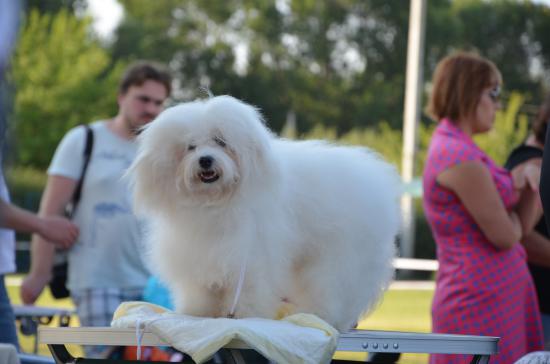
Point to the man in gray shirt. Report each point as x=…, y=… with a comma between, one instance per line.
x=105, y=263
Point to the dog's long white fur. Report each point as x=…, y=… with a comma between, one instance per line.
x=315, y=222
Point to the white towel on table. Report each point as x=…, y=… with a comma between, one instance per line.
x=299, y=338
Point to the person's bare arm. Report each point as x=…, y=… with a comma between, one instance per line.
x=57, y=230
x=474, y=186
x=56, y=196
x=538, y=248
x=526, y=178
x=529, y=209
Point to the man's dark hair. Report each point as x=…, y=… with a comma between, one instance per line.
x=139, y=72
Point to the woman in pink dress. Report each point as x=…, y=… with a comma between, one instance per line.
x=478, y=213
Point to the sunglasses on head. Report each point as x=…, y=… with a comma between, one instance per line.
x=494, y=94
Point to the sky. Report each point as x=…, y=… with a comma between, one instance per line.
x=107, y=14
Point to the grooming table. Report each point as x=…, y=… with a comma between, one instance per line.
x=30, y=317
x=481, y=347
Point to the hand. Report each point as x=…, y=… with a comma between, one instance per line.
x=32, y=287
x=516, y=223
x=527, y=176
x=59, y=231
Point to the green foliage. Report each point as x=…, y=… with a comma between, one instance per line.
x=382, y=138
x=63, y=79
x=505, y=32
x=319, y=131
x=338, y=63
x=26, y=186
x=424, y=136
x=297, y=57
x=25, y=178
x=54, y=6
x=510, y=129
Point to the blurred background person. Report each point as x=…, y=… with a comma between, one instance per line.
x=106, y=265
x=537, y=242
x=57, y=230
x=54, y=229
x=478, y=212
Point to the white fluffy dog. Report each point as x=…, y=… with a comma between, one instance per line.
x=246, y=224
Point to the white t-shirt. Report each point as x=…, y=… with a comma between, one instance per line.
x=109, y=250
x=7, y=237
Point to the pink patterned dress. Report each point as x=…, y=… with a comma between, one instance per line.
x=480, y=290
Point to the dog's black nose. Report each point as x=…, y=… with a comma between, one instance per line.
x=206, y=162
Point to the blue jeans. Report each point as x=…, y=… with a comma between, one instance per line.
x=8, y=332
x=546, y=328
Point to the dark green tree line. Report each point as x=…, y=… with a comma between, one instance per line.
x=62, y=78
x=337, y=63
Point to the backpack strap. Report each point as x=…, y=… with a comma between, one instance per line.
x=87, y=154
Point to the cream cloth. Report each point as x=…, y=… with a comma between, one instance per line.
x=299, y=338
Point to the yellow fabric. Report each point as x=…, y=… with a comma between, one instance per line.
x=127, y=307
x=296, y=339
x=286, y=309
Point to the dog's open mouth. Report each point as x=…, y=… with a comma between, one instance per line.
x=208, y=176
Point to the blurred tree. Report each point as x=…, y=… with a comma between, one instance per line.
x=63, y=78
x=339, y=63
x=336, y=63
x=511, y=34
x=333, y=62
x=53, y=6
x=509, y=130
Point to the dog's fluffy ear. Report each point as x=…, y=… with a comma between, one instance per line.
x=152, y=174
x=245, y=127
x=142, y=183
x=261, y=161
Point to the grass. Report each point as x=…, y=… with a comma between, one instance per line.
x=399, y=310
x=46, y=299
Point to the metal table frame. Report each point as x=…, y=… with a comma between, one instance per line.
x=31, y=317
x=480, y=347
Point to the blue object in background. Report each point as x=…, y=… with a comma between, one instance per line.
x=156, y=292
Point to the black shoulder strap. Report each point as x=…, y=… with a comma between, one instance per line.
x=522, y=154
x=87, y=153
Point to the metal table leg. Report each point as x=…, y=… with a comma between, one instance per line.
x=60, y=354
x=480, y=359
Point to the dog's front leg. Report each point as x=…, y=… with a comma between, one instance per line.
x=197, y=300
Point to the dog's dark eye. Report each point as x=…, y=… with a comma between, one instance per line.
x=191, y=147
x=220, y=142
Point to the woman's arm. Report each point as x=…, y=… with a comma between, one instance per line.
x=56, y=196
x=57, y=230
x=526, y=177
x=538, y=248
x=473, y=184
